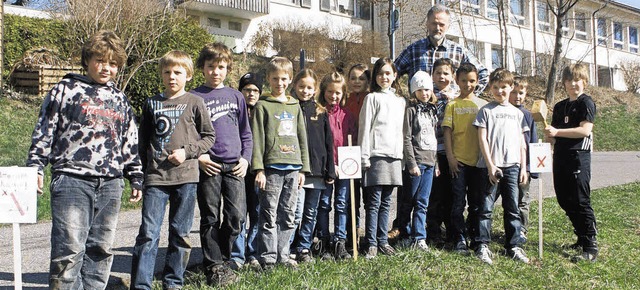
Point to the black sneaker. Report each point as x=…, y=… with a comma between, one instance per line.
x=221, y=276
x=461, y=248
x=387, y=250
x=304, y=256
x=340, y=250
x=585, y=256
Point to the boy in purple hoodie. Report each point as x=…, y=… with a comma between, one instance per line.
x=224, y=166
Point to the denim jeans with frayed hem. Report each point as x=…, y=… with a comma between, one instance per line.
x=508, y=185
x=416, y=190
x=217, y=235
x=84, y=213
x=182, y=201
x=377, y=206
x=277, y=214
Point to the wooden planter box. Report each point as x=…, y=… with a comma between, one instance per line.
x=39, y=80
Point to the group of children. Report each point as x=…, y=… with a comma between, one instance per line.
x=274, y=156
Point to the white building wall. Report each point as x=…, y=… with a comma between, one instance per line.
x=279, y=11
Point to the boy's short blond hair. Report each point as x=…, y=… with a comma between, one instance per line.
x=106, y=44
x=216, y=52
x=501, y=75
x=576, y=71
x=280, y=64
x=176, y=57
x=520, y=81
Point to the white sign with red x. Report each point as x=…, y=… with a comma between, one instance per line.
x=540, y=157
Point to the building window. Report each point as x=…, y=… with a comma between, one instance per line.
x=602, y=31
x=633, y=39
x=581, y=26
x=543, y=17
x=617, y=36
x=363, y=9
x=496, y=57
x=214, y=22
x=305, y=3
x=235, y=26
x=492, y=9
x=517, y=8
x=470, y=6
x=325, y=5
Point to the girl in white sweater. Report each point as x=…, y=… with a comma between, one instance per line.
x=380, y=138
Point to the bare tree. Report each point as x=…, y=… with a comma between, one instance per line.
x=560, y=9
x=328, y=47
x=139, y=23
x=630, y=72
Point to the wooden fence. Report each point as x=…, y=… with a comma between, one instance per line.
x=39, y=80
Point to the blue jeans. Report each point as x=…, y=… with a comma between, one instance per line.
x=244, y=246
x=508, y=185
x=216, y=235
x=84, y=213
x=465, y=188
x=277, y=213
x=298, y=215
x=417, y=190
x=377, y=206
x=182, y=202
x=341, y=203
x=324, y=208
x=311, y=200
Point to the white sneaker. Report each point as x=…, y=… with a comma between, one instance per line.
x=484, y=254
x=422, y=245
x=518, y=254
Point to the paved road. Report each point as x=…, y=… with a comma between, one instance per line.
x=609, y=168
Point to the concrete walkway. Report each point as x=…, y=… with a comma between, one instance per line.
x=608, y=168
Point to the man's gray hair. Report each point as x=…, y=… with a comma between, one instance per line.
x=438, y=8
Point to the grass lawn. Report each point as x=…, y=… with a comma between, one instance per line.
x=617, y=266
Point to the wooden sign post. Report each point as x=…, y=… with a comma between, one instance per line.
x=349, y=167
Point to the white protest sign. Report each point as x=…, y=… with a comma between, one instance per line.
x=540, y=157
x=18, y=194
x=349, y=162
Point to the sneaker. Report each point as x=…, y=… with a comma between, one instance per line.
x=518, y=254
x=387, y=250
x=234, y=265
x=254, y=265
x=304, y=256
x=484, y=254
x=421, y=245
x=405, y=243
x=221, y=276
x=461, y=248
x=393, y=233
x=585, y=256
x=340, y=250
x=291, y=264
x=371, y=253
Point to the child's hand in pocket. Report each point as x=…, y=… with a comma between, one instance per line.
x=177, y=156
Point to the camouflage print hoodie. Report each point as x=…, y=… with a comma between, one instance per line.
x=87, y=129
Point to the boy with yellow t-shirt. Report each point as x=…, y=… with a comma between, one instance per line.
x=461, y=145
